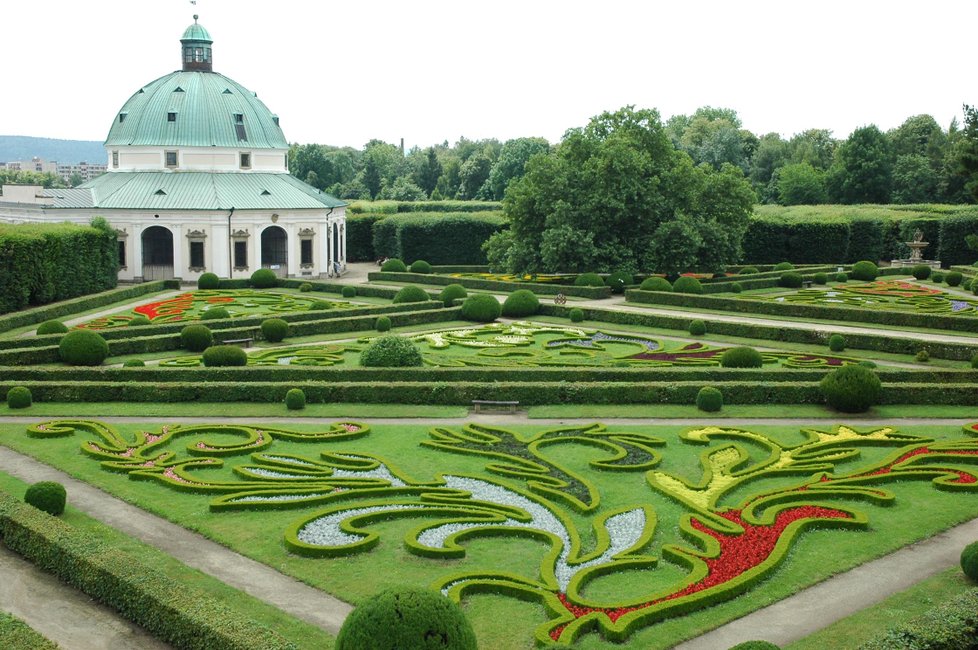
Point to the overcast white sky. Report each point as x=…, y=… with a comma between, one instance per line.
x=342, y=73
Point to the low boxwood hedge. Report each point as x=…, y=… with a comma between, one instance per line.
x=952, y=624
x=592, y=293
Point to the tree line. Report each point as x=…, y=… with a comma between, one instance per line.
x=917, y=162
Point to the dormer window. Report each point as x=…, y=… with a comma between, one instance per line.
x=239, y=127
x=115, y=159
x=171, y=117
x=239, y=118
x=122, y=117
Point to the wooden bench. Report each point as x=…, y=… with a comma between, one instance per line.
x=479, y=404
x=245, y=343
x=806, y=284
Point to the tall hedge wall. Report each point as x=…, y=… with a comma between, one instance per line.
x=395, y=207
x=449, y=238
x=43, y=263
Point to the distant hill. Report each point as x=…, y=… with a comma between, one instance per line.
x=20, y=147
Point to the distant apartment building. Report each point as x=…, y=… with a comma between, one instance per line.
x=87, y=171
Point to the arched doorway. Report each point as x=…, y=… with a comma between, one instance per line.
x=275, y=250
x=157, y=253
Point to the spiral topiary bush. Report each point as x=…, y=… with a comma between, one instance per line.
x=748, y=270
x=394, y=265
x=208, y=281
x=19, y=397
x=837, y=343
x=684, y=284
x=953, y=278
x=969, y=561
x=481, y=308
x=139, y=321
x=790, y=280
x=274, y=329
x=134, y=363
x=411, y=293
x=655, y=283
x=920, y=271
x=295, y=399
x=851, y=389
x=348, y=291
x=406, y=618
x=383, y=324
x=588, y=280
x=48, y=496
x=264, y=279
x=196, y=338
x=51, y=327
x=391, y=352
x=783, y=266
x=215, y=313
x=741, y=357
x=220, y=356
x=864, y=271
x=420, y=266
x=577, y=315
x=83, y=348
x=451, y=293
x=709, y=399
x=697, y=327
x=522, y=302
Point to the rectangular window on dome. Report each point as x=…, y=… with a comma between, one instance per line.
x=171, y=158
x=115, y=159
x=171, y=117
x=245, y=161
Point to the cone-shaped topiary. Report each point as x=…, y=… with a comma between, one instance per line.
x=295, y=399
x=348, y=291
x=588, y=280
x=709, y=399
x=215, y=313
x=741, y=357
x=83, y=348
x=51, y=327
x=685, y=284
x=218, y=356
x=481, y=307
x=522, y=302
x=47, y=496
x=411, y=293
x=864, y=271
x=451, y=293
x=383, y=324
x=196, y=337
x=264, y=279
x=969, y=560
x=420, y=266
x=406, y=618
x=139, y=321
x=19, y=397
x=208, y=281
x=274, y=329
x=851, y=389
x=391, y=352
x=577, y=315
x=655, y=283
x=394, y=265
x=837, y=343
x=697, y=327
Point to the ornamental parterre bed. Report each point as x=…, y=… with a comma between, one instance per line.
x=605, y=535
x=882, y=294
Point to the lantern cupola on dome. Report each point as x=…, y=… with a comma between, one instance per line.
x=197, y=49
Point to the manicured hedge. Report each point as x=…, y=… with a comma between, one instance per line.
x=449, y=238
x=15, y=634
x=360, y=237
x=85, y=303
x=952, y=624
x=395, y=207
x=592, y=293
x=175, y=613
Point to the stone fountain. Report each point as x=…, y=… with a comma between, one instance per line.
x=917, y=247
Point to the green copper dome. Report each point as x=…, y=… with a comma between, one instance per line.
x=196, y=33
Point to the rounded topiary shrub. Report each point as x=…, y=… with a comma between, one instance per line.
x=748, y=270
x=320, y=304
x=741, y=357
x=655, y=283
x=482, y=308
x=709, y=399
x=390, y=352
x=383, y=324
x=348, y=291
x=19, y=397
x=208, y=281
x=790, y=280
x=215, y=313
x=406, y=618
x=841, y=277
x=451, y=293
x=969, y=561
x=196, y=338
x=52, y=327
x=953, y=278
x=837, y=343
x=920, y=271
x=411, y=293
x=420, y=266
x=820, y=278
x=937, y=277
x=48, y=496
x=864, y=271
x=684, y=284
x=851, y=389
x=133, y=363
x=697, y=327
x=274, y=330
x=736, y=287
x=522, y=302
x=588, y=280
x=783, y=266
x=83, y=348
x=577, y=315
x=305, y=287
x=923, y=356
x=219, y=356
x=264, y=279
x=620, y=280
x=295, y=399
x=394, y=265
x=755, y=645
x=139, y=321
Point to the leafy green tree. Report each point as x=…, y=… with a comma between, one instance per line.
x=862, y=171
x=714, y=136
x=449, y=180
x=914, y=180
x=382, y=163
x=473, y=174
x=967, y=151
x=26, y=177
x=801, y=184
x=814, y=146
x=75, y=180
x=427, y=171
x=770, y=154
x=920, y=135
x=402, y=189
x=511, y=163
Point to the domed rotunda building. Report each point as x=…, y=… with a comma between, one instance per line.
x=198, y=181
